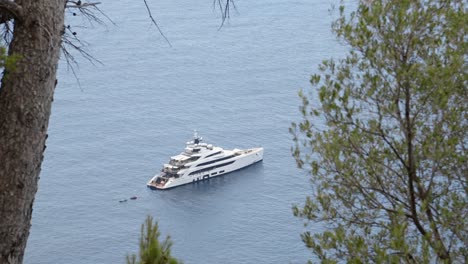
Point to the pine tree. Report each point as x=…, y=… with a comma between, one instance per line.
x=386, y=146
x=151, y=250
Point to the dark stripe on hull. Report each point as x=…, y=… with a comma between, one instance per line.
x=201, y=180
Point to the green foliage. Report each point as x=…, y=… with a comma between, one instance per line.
x=3, y=57
x=386, y=146
x=7, y=62
x=151, y=250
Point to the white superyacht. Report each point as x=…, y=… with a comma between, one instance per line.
x=201, y=161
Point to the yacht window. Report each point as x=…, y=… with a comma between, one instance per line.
x=213, y=161
x=194, y=158
x=211, y=155
x=212, y=167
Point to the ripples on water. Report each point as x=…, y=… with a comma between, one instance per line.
x=237, y=86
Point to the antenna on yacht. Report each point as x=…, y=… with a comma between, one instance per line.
x=196, y=138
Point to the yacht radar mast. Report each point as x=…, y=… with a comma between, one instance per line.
x=196, y=139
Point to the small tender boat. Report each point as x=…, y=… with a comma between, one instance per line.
x=201, y=161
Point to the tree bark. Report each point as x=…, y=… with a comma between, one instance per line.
x=25, y=102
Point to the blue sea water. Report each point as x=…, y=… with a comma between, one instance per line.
x=109, y=135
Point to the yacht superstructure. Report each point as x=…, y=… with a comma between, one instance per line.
x=201, y=161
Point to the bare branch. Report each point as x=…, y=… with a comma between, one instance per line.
x=81, y=5
x=75, y=43
x=88, y=10
x=70, y=42
x=70, y=64
x=225, y=9
x=156, y=24
x=6, y=31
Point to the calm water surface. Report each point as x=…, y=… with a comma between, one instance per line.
x=237, y=86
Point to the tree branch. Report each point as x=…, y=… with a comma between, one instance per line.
x=80, y=5
x=155, y=23
x=11, y=8
x=224, y=9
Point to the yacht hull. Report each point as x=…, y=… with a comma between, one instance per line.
x=247, y=158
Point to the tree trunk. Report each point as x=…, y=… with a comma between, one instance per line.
x=25, y=101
